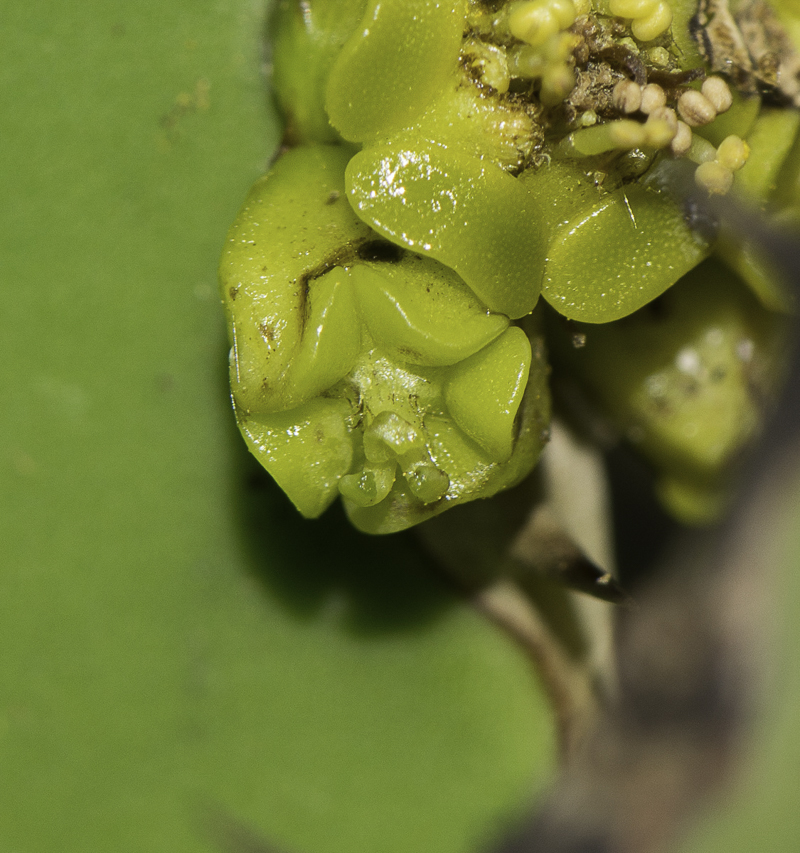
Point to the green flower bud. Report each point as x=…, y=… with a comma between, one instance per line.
x=362, y=369
x=684, y=381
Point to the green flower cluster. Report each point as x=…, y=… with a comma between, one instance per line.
x=448, y=163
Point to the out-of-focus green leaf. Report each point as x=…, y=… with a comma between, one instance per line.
x=760, y=810
x=176, y=647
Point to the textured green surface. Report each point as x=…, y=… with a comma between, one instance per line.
x=173, y=640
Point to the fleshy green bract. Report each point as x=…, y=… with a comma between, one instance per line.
x=447, y=170
x=362, y=370
x=466, y=213
x=393, y=66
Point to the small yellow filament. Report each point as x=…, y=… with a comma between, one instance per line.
x=619, y=135
x=658, y=133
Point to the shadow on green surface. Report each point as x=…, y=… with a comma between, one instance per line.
x=384, y=583
x=388, y=583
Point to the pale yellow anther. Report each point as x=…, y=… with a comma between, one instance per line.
x=713, y=178
x=659, y=132
x=653, y=98
x=632, y=8
x=563, y=11
x=666, y=114
x=557, y=82
x=702, y=151
x=652, y=26
x=695, y=108
x=733, y=153
x=533, y=23
x=526, y=61
x=627, y=96
x=682, y=141
x=716, y=90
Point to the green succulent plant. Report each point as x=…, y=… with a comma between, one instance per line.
x=452, y=162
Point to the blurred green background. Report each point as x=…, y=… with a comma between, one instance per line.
x=178, y=650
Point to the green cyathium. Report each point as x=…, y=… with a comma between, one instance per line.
x=450, y=164
x=362, y=370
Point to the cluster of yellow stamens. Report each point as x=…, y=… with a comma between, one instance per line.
x=545, y=47
x=666, y=127
x=649, y=18
x=536, y=21
x=715, y=171
x=549, y=63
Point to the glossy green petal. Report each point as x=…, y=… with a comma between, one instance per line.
x=309, y=35
x=466, y=117
x=421, y=312
x=467, y=214
x=394, y=65
x=608, y=253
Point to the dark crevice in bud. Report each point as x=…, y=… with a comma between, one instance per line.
x=381, y=251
